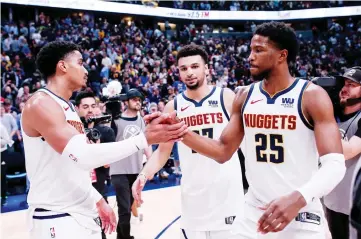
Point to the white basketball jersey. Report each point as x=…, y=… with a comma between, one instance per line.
x=212, y=193
x=56, y=184
x=279, y=144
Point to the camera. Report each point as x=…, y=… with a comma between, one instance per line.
x=332, y=85
x=92, y=133
x=113, y=105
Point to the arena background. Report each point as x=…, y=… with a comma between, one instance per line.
x=136, y=42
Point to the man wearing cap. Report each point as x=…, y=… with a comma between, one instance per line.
x=124, y=173
x=339, y=202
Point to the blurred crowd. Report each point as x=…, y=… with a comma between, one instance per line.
x=244, y=5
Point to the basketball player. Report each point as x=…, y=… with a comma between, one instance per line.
x=212, y=195
x=287, y=126
x=62, y=201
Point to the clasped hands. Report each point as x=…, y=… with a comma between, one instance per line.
x=164, y=127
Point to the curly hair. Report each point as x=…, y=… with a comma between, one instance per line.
x=282, y=35
x=51, y=54
x=192, y=50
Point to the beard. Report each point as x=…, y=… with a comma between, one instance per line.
x=262, y=75
x=193, y=87
x=196, y=85
x=136, y=108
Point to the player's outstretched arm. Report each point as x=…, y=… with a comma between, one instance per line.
x=222, y=150
x=155, y=163
x=43, y=117
x=318, y=107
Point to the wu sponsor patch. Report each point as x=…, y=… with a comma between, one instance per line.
x=213, y=103
x=230, y=220
x=288, y=102
x=308, y=217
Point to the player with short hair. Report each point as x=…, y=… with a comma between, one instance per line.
x=62, y=201
x=286, y=126
x=212, y=195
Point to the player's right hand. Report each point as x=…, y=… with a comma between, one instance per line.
x=157, y=131
x=137, y=188
x=172, y=117
x=107, y=216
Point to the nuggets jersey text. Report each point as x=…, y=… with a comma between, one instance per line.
x=279, y=143
x=212, y=193
x=56, y=184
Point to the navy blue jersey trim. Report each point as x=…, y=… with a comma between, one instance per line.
x=299, y=107
x=199, y=104
x=247, y=98
x=70, y=105
x=184, y=234
x=223, y=106
x=272, y=99
x=51, y=216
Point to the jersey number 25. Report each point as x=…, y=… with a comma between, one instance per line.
x=271, y=143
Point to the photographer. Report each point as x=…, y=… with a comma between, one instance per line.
x=338, y=201
x=86, y=106
x=124, y=173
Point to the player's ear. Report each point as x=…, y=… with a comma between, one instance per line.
x=206, y=70
x=62, y=66
x=283, y=55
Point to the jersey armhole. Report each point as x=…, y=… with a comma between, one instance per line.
x=299, y=107
x=249, y=93
x=223, y=106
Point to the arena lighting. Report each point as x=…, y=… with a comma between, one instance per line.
x=105, y=6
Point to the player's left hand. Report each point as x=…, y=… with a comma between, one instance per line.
x=107, y=217
x=280, y=212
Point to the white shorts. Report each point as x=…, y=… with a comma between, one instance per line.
x=297, y=229
x=223, y=234
x=65, y=227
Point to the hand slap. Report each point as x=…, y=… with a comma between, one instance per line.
x=148, y=118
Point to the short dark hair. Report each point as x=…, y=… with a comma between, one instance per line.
x=82, y=95
x=192, y=50
x=282, y=35
x=51, y=54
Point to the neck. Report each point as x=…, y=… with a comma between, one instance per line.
x=277, y=80
x=199, y=93
x=130, y=113
x=60, y=87
x=351, y=109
